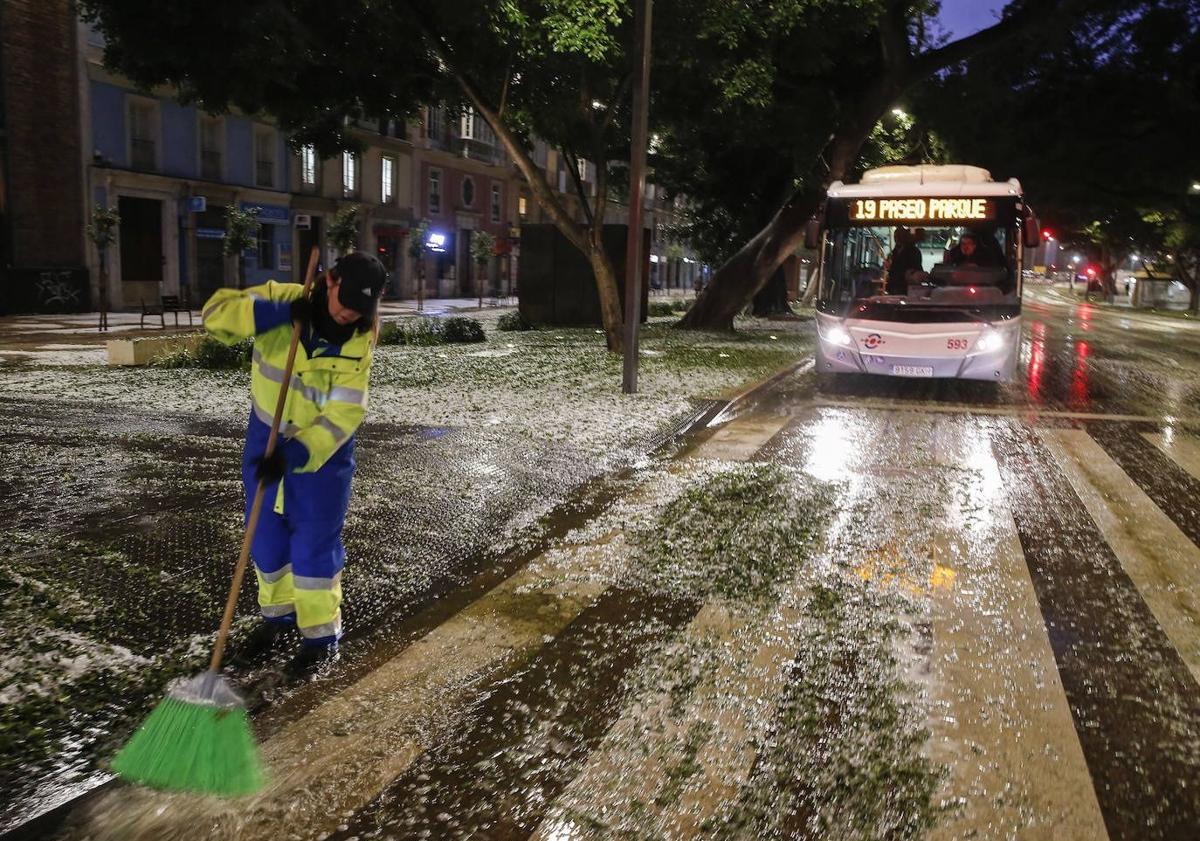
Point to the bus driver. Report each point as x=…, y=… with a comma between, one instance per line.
x=968, y=252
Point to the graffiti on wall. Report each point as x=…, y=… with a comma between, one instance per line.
x=55, y=290
x=41, y=290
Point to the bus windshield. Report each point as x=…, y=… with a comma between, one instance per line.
x=898, y=272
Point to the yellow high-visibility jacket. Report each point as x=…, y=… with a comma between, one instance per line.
x=327, y=397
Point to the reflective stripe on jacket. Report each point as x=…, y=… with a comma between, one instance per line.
x=327, y=396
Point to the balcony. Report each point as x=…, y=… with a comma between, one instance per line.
x=210, y=165
x=143, y=154
x=264, y=173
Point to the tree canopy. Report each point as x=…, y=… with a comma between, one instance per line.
x=1100, y=119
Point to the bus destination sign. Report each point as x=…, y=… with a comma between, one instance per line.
x=922, y=210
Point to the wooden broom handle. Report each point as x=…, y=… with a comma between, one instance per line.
x=239, y=571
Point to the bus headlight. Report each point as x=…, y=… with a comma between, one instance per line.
x=989, y=341
x=838, y=336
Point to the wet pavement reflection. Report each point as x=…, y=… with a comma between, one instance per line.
x=970, y=630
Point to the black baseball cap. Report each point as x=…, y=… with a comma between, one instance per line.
x=362, y=277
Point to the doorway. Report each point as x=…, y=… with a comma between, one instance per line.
x=210, y=253
x=307, y=238
x=142, y=258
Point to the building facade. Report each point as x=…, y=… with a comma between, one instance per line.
x=466, y=184
x=673, y=264
x=41, y=178
x=170, y=170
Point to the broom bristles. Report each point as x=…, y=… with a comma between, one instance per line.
x=197, y=739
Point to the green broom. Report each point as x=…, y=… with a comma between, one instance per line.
x=198, y=738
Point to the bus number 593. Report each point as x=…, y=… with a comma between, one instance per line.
x=956, y=344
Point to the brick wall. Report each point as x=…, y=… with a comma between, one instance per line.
x=41, y=104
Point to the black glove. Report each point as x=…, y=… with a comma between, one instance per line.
x=302, y=311
x=270, y=469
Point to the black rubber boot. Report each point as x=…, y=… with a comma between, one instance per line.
x=312, y=662
x=266, y=639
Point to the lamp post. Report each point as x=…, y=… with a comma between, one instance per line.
x=637, y=184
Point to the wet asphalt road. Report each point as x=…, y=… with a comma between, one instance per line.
x=1045, y=536
x=1035, y=546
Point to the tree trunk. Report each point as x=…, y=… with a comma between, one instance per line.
x=772, y=298
x=241, y=260
x=103, y=290
x=610, y=299
x=421, y=283
x=734, y=284
x=583, y=237
x=1194, y=299
x=814, y=283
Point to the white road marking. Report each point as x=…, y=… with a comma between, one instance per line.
x=1162, y=562
x=1181, y=448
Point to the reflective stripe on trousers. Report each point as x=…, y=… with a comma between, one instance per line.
x=298, y=563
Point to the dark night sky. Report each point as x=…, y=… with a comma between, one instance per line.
x=962, y=17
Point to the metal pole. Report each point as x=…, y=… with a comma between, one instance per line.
x=637, y=184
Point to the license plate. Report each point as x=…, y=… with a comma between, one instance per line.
x=912, y=370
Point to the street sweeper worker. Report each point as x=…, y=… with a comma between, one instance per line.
x=297, y=549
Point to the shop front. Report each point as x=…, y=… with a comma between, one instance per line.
x=271, y=256
x=390, y=243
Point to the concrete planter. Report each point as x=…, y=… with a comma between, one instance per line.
x=144, y=350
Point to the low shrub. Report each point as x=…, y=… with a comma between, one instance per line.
x=657, y=309
x=513, y=321
x=209, y=354
x=422, y=332
x=390, y=334
x=462, y=330
x=681, y=305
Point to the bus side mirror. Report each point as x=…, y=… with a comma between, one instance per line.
x=812, y=234
x=1032, y=232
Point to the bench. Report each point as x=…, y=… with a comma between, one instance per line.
x=174, y=304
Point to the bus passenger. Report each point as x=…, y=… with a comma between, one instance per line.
x=905, y=260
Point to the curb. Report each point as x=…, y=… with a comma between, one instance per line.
x=750, y=392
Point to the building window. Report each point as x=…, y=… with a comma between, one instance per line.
x=435, y=118
x=143, y=134
x=211, y=153
x=264, y=158
x=521, y=206
x=435, y=191
x=387, y=177
x=468, y=192
x=266, y=246
x=350, y=164
x=308, y=166
x=496, y=196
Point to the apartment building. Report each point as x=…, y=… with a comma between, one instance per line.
x=466, y=184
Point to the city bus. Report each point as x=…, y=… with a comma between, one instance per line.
x=902, y=292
